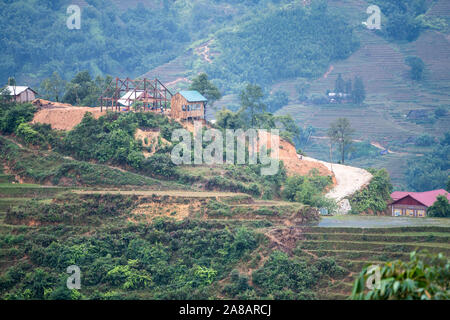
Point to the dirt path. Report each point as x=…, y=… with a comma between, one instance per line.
x=172, y=193
x=349, y=179
x=169, y=84
x=328, y=72
x=203, y=51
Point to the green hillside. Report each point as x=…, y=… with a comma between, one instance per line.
x=107, y=196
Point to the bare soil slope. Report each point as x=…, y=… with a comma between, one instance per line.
x=62, y=116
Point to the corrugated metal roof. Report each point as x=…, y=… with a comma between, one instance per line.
x=427, y=198
x=18, y=89
x=193, y=96
x=129, y=97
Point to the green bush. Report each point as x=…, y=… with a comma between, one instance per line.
x=308, y=190
x=30, y=136
x=430, y=171
x=375, y=196
x=43, y=167
x=284, y=278
x=418, y=279
x=13, y=114
x=159, y=165
x=425, y=140
x=440, y=208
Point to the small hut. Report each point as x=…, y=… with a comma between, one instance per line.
x=188, y=105
x=21, y=93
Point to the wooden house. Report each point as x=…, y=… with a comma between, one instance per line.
x=21, y=93
x=414, y=204
x=188, y=105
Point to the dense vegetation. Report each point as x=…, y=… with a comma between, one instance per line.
x=402, y=18
x=430, y=171
x=110, y=140
x=308, y=190
x=440, y=208
x=37, y=42
x=283, y=43
x=131, y=40
x=53, y=168
x=418, y=279
x=374, y=198
x=163, y=260
x=256, y=112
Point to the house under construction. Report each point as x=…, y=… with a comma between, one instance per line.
x=151, y=95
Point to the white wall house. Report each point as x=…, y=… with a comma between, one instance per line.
x=21, y=93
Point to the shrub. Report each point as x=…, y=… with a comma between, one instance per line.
x=425, y=140
x=418, y=279
x=440, y=112
x=14, y=115
x=159, y=165
x=373, y=198
x=308, y=190
x=30, y=136
x=440, y=208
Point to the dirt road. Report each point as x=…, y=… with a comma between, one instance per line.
x=349, y=179
x=172, y=193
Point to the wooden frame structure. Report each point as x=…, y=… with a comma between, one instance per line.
x=152, y=93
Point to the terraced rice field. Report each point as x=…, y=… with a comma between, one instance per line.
x=12, y=193
x=353, y=248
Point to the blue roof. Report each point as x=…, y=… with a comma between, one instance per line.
x=193, y=96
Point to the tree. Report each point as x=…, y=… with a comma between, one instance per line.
x=251, y=102
x=440, y=208
x=78, y=88
x=339, y=85
x=5, y=95
x=348, y=86
x=206, y=88
x=430, y=171
x=14, y=115
x=229, y=120
x=12, y=83
x=290, y=129
x=417, y=67
x=341, y=132
x=418, y=279
x=359, y=92
x=276, y=101
x=53, y=87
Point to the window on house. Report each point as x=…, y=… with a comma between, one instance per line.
x=196, y=106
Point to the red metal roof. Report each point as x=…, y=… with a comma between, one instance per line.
x=427, y=198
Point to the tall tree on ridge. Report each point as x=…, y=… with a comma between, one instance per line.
x=359, y=92
x=341, y=132
x=251, y=102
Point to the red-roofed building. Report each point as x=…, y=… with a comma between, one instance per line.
x=414, y=204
